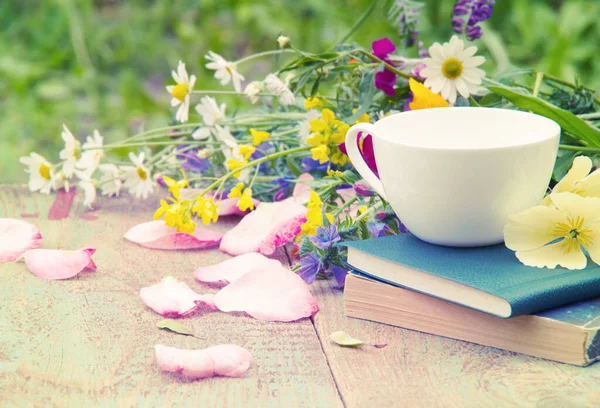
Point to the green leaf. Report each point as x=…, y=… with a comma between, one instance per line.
x=366, y=92
x=315, y=87
x=567, y=121
x=563, y=164
x=174, y=326
x=293, y=166
x=342, y=339
x=490, y=99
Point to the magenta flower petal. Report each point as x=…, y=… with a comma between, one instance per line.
x=172, y=298
x=56, y=264
x=157, y=235
x=229, y=206
x=273, y=294
x=385, y=81
x=232, y=269
x=270, y=226
x=16, y=237
x=383, y=47
x=369, y=154
x=227, y=360
x=302, y=191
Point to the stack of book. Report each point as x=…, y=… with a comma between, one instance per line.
x=483, y=295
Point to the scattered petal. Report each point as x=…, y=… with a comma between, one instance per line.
x=157, y=235
x=302, y=191
x=232, y=269
x=174, y=326
x=342, y=339
x=56, y=264
x=380, y=346
x=16, y=237
x=270, y=226
x=229, y=206
x=272, y=294
x=227, y=360
x=172, y=298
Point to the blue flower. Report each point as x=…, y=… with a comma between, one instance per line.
x=378, y=229
x=339, y=274
x=326, y=236
x=308, y=164
x=310, y=266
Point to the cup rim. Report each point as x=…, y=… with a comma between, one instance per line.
x=553, y=132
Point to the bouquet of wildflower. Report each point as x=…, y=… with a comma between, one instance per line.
x=283, y=164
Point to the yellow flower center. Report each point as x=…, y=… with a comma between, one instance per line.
x=44, y=171
x=452, y=68
x=142, y=173
x=574, y=231
x=180, y=91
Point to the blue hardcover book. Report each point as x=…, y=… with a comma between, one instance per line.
x=489, y=279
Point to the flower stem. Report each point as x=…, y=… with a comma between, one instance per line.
x=263, y=54
x=595, y=115
x=579, y=148
x=228, y=93
x=347, y=204
x=538, y=82
x=256, y=162
x=385, y=64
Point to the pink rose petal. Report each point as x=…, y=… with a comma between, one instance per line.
x=270, y=226
x=302, y=191
x=157, y=235
x=227, y=360
x=16, y=237
x=229, y=206
x=271, y=294
x=172, y=298
x=232, y=269
x=57, y=264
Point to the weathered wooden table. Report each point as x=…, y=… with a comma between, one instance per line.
x=88, y=341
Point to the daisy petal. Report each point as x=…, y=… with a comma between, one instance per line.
x=270, y=226
x=302, y=191
x=157, y=235
x=56, y=264
x=227, y=360
x=532, y=228
x=272, y=294
x=473, y=61
x=467, y=53
x=232, y=269
x=172, y=298
x=550, y=256
x=229, y=206
x=473, y=75
x=436, y=52
x=16, y=237
x=461, y=87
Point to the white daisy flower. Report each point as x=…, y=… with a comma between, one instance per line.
x=88, y=185
x=304, y=131
x=41, y=173
x=225, y=71
x=110, y=182
x=279, y=88
x=71, y=153
x=138, y=179
x=181, y=92
x=90, y=159
x=452, y=68
x=252, y=90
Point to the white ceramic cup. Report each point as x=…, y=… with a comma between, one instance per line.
x=454, y=175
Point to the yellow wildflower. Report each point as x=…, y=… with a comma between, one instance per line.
x=314, y=216
x=245, y=202
x=363, y=209
x=329, y=217
x=233, y=164
x=320, y=153
x=365, y=118
x=259, y=136
x=236, y=191
x=334, y=173
x=313, y=102
x=246, y=151
x=423, y=98
x=545, y=236
x=339, y=158
x=327, y=131
x=206, y=209
x=578, y=180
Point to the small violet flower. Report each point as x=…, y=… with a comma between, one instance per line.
x=477, y=10
x=384, y=80
x=310, y=266
x=192, y=161
x=326, y=236
x=339, y=274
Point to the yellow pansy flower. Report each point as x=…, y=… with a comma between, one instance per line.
x=578, y=180
x=313, y=102
x=547, y=236
x=423, y=98
x=259, y=136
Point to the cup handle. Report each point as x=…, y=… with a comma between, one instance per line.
x=357, y=159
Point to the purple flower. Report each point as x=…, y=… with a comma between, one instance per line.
x=308, y=164
x=326, y=236
x=339, y=274
x=379, y=229
x=405, y=14
x=477, y=11
x=384, y=80
x=192, y=161
x=310, y=266
x=363, y=190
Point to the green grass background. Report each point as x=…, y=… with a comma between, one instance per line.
x=104, y=63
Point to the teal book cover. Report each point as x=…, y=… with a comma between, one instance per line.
x=492, y=270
